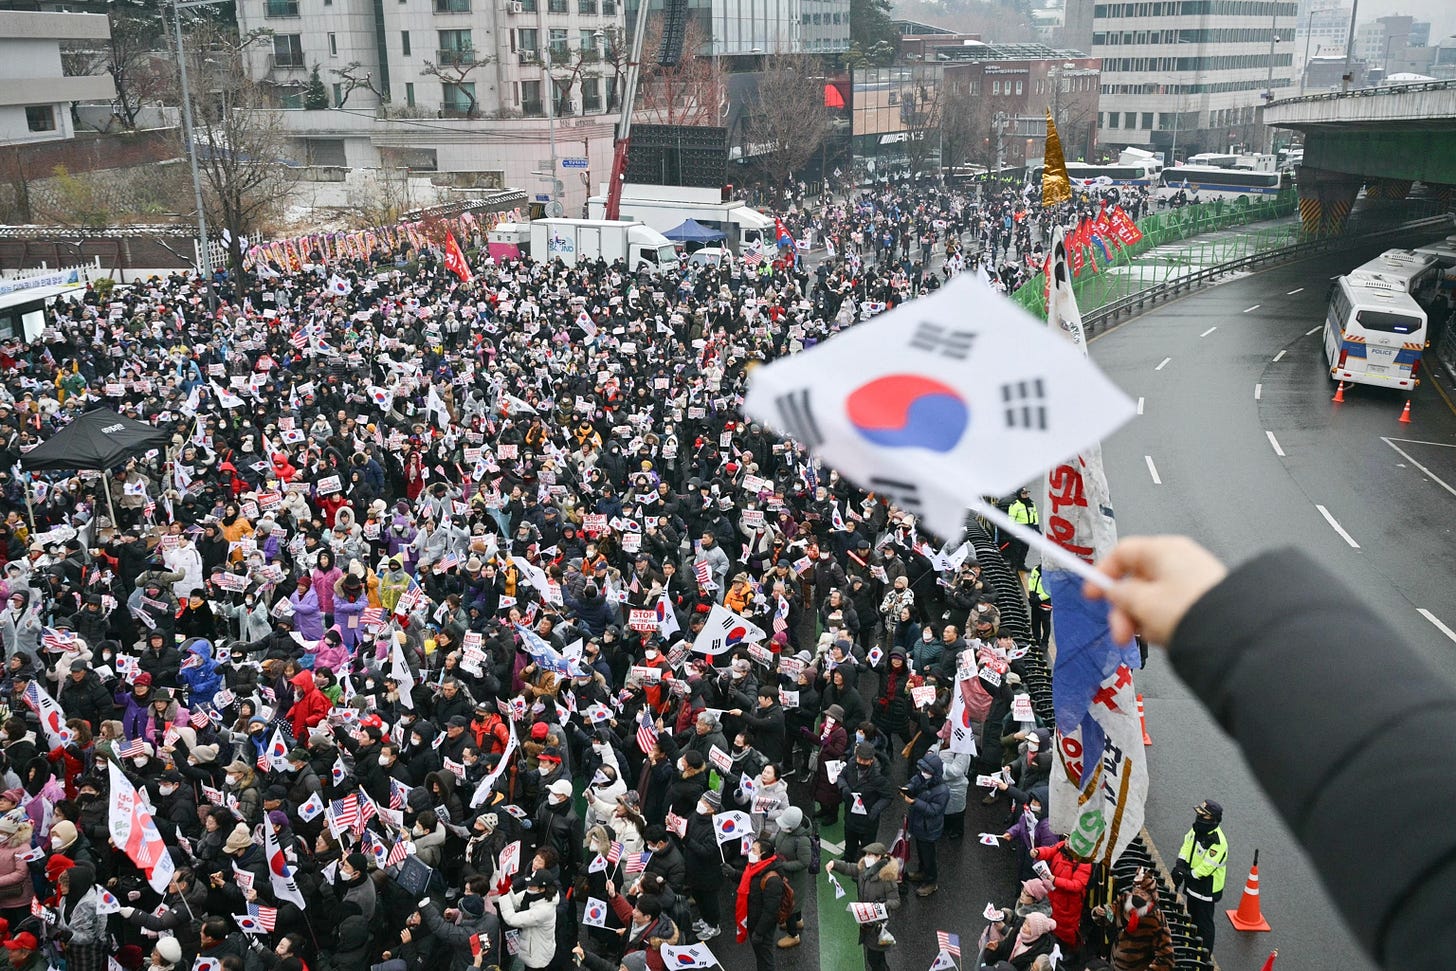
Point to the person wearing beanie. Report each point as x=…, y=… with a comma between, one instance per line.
x=474, y=919
x=795, y=850
x=833, y=742
x=16, y=888
x=355, y=885
x=167, y=954
x=877, y=876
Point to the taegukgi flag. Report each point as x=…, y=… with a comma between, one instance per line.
x=949, y=397
x=133, y=831
x=1099, y=782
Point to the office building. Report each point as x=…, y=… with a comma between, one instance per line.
x=755, y=28
x=1190, y=71
x=37, y=87
x=1383, y=43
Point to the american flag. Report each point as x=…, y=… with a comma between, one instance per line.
x=703, y=572
x=56, y=640
x=266, y=916
x=949, y=943
x=781, y=616
x=345, y=812
x=637, y=862
x=614, y=853
x=752, y=258
x=372, y=616
x=132, y=749
x=367, y=809
x=398, y=794
x=198, y=718
x=646, y=732
x=397, y=853
x=299, y=339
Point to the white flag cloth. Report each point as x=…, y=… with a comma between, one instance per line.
x=962, y=739
x=400, y=673
x=949, y=397
x=133, y=831
x=596, y=912
x=482, y=791
x=724, y=631
x=688, y=956
x=1099, y=783
x=225, y=397
x=280, y=874
x=666, y=617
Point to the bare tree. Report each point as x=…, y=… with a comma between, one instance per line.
x=921, y=97
x=690, y=92
x=455, y=69
x=787, y=120
x=352, y=77
x=241, y=146
x=140, y=75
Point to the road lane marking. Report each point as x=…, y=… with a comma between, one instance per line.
x=1275, y=442
x=1314, y=330
x=1336, y=526
x=1153, y=470
x=1163, y=365
x=1254, y=307
x=1280, y=356
x=1209, y=331
x=1294, y=291
x=1258, y=391
x=1140, y=405
x=1437, y=622
x=1409, y=458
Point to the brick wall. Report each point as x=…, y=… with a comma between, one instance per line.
x=88, y=153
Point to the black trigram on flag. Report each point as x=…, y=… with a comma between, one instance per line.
x=936, y=339
x=1025, y=404
x=796, y=418
x=903, y=494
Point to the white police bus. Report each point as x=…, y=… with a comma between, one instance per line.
x=1375, y=328
x=1210, y=182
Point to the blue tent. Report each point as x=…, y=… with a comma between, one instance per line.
x=693, y=231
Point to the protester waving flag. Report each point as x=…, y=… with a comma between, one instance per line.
x=133, y=831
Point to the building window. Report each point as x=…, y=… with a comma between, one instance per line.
x=409, y=93
x=338, y=94
x=586, y=6
x=455, y=48
x=291, y=99
x=609, y=8
x=995, y=87
x=281, y=8
x=287, y=50
x=404, y=42
x=528, y=6
x=556, y=6
x=590, y=51
x=458, y=99
x=1148, y=120
x=560, y=54
x=528, y=40
x=40, y=118
x=333, y=45
x=452, y=6
x=591, y=94
x=1129, y=119
x=1112, y=117
x=531, y=104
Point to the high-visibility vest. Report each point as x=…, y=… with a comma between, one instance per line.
x=1023, y=511
x=1205, y=865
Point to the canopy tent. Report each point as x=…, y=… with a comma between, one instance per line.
x=99, y=439
x=692, y=231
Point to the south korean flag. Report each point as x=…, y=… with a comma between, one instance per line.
x=596, y=913
x=951, y=396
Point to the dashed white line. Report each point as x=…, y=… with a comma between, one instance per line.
x=1314, y=330
x=1411, y=459
x=1294, y=291
x=1336, y=526
x=1275, y=442
x=1209, y=331
x=1258, y=391
x=1140, y=406
x=1160, y=367
x=1437, y=622
x=1279, y=357
x=1153, y=470
x=1254, y=307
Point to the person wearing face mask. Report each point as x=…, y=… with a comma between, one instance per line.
x=658, y=694
x=702, y=863
x=833, y=742
x=355, y=885
x=877, y=876
x=795, y=851
x=1200, y=867
x=866, y=792
x=174, y=802
x=241, y=782
x=602, y=792
x=532, y=911
x=557, y=825
x=16, y=888
x=926, y=796
x=761, y=889
x=1142, y=939
x=689, y=784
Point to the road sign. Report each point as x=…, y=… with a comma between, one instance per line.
x=574, y=163
x=543, y=197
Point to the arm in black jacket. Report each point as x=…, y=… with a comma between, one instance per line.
x=1378, y=720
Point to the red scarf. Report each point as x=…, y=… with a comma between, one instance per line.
x=740, y=905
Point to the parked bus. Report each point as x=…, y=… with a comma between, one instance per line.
x=1120, y=174
x=1211, y=182
x=1375, y=328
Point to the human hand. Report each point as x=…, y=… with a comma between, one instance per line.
x=1159, y=579
x=405, y=936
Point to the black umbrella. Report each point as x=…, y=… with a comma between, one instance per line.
x=99, y=439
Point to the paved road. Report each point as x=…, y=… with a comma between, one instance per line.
x=1228, y=379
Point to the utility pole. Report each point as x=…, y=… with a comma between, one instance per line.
x=204, y=257
x=1349, y=47
x=1269, y=82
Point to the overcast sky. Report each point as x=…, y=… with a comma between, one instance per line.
x=1441, y=13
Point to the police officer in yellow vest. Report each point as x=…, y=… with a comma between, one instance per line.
x=1023, y=511
x=1200, y=867
x=1039, y=603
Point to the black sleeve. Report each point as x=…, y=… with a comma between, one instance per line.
x=1371, y=719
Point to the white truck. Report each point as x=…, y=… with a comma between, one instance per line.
x=573, y=240
x=665, y=207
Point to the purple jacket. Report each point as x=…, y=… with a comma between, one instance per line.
x=1044, y=834
x=346, y=617
x=308, y=621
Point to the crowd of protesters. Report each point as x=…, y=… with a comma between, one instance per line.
x=412, y=595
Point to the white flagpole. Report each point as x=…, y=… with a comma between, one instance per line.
x=1043, y=545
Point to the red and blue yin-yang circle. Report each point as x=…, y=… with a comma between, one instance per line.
x=909, y=411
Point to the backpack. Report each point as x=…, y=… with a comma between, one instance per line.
x=786, y=902
x=816, y=850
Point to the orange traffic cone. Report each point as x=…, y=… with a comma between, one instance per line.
x=1248, y=917
x=1339, y=397
x=1405, y=413
x=1143, y=720
x=1269, y=963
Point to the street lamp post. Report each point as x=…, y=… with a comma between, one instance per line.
x=189, y=131
x=1269, y=81
x=1349, y=47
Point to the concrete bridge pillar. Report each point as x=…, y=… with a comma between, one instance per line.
x=1391, y=189
x=1325, y=199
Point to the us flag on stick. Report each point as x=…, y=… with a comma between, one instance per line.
x=646, y=733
